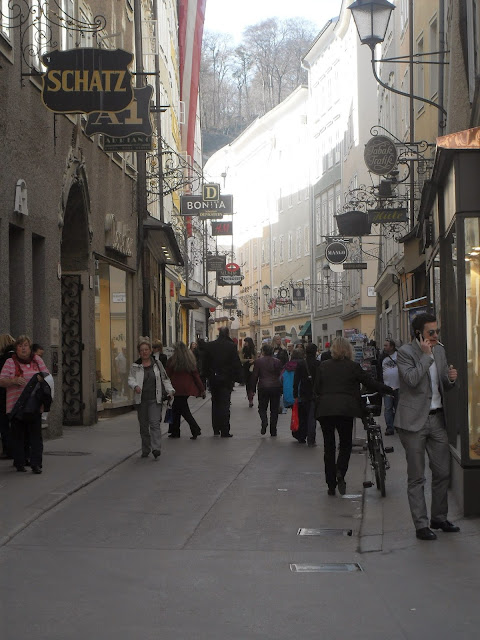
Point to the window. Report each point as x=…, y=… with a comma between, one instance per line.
x=403, y=14
x=308, y=302
x=320, y=287
x=274, y=251
x=433, y=69
x=324, y=214
x=255, y=256
x=299, y=242
x=39, y=31
x=318, y=219
x=290, y=246
x=263, y=252
x=280, y=249
x=420, y=75
x=306, y=240
x=4, y=18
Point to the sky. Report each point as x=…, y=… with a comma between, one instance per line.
x=232, y=16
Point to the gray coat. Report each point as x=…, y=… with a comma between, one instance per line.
x=415, y=384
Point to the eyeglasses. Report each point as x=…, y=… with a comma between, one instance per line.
x=432, y=331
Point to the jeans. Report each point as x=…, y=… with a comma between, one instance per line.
x=344, y=426
x=266, y=396
x=30, y=432
x=181, y=409
x=391, y=403
x=149, y=417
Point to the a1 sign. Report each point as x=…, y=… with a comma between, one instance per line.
x=232, y=267
x=222, y=228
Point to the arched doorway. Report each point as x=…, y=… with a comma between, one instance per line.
x=74, y=264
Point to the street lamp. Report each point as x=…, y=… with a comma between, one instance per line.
x=266, y=290
x=371, y=19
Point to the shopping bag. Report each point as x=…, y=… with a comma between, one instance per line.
x=168, y=416
x=294, y=420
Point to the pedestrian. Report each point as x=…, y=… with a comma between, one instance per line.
x=122, y=370
x=38, y=350
x=157, y=348
x=183, y=373
x=278, y=350
x=303, y=385
x=249, y=355
x=16, y=375
x=337, y=403
x=6, y=351
x=326, y=354
x=290, y=348
x=222, y=367
x=151, y=385
x=266, y=376
x=196, y=352
x=420, y=421
x=287, y=377
x=388, y=374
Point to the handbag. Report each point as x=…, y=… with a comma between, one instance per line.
x=168, y=416
x=294, y=422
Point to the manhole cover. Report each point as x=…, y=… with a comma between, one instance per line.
x=340, y=567
x=66, y=453
x=324, y=532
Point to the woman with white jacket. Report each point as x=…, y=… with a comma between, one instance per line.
x=149, y=382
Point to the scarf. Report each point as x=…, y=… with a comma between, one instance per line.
x=17, y=361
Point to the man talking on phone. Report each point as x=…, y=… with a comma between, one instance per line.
x=420, y=421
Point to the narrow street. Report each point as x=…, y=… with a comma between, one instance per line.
x=201, y=545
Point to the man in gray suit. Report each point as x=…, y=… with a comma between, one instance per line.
x=420, y=422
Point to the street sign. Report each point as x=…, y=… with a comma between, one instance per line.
x=380, y=155
x=197, y=206
x=135, y=119
x=222, y=228
x=231, y=266
x=211, y=192
x=226, y=278
x=336, y=252
x=229, y=303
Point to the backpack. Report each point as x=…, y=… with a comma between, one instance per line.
x=287, y=380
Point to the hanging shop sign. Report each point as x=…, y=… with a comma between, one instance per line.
x=222, y=228
x=135, y=142
x=229, y=303
x=336, y=252
x=197, y=206
x=211, y=192
x=380, y=155
x=385, y=216
x=118, y=237
x=299, y=293
x=216, y=262
x=229, y=276
x=87, y=80
x=135, y=119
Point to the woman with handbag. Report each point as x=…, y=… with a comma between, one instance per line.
x=248, y=360
x=183, y=372
x=150, y=382
x=17, y=374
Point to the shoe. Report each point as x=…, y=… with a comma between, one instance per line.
x=301, y=441
x=342, y=485
x=425, y=534
x=250, y=405
x=389, y=432
x=226, y=435
x=273, y=435
x=312, y=444
x=331, y=491
x=145, y=455
x=174, y=435
x=36, y=470
x=446, y=526
x=20, y=468
x=216, y=433
x=156, y=453
x=263, y=430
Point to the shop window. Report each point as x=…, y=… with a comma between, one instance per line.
x=472, y=302
x=111, y=336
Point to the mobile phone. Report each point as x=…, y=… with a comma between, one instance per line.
x=418, y=335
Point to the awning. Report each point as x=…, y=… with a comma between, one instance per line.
x=161, y=241
x=196, y=300
x=306, y=329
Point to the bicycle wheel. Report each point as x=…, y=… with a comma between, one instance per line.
x=380, y=472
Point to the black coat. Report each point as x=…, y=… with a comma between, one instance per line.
x=337, y=388
x=221, y=363
x=303, y=383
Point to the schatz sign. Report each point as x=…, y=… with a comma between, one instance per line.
x=197, y=206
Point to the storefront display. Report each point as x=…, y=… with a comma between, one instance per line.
x=111, y=336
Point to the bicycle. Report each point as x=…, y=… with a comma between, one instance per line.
x=376, y=450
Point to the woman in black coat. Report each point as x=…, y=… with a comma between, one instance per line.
x=338, y=402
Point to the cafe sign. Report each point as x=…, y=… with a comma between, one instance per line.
x=385, y=216
x=380, y=155
x=87, y=80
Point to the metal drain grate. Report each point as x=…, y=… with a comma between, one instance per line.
x=324, y=532
x=67, y=453
x=338, y=567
